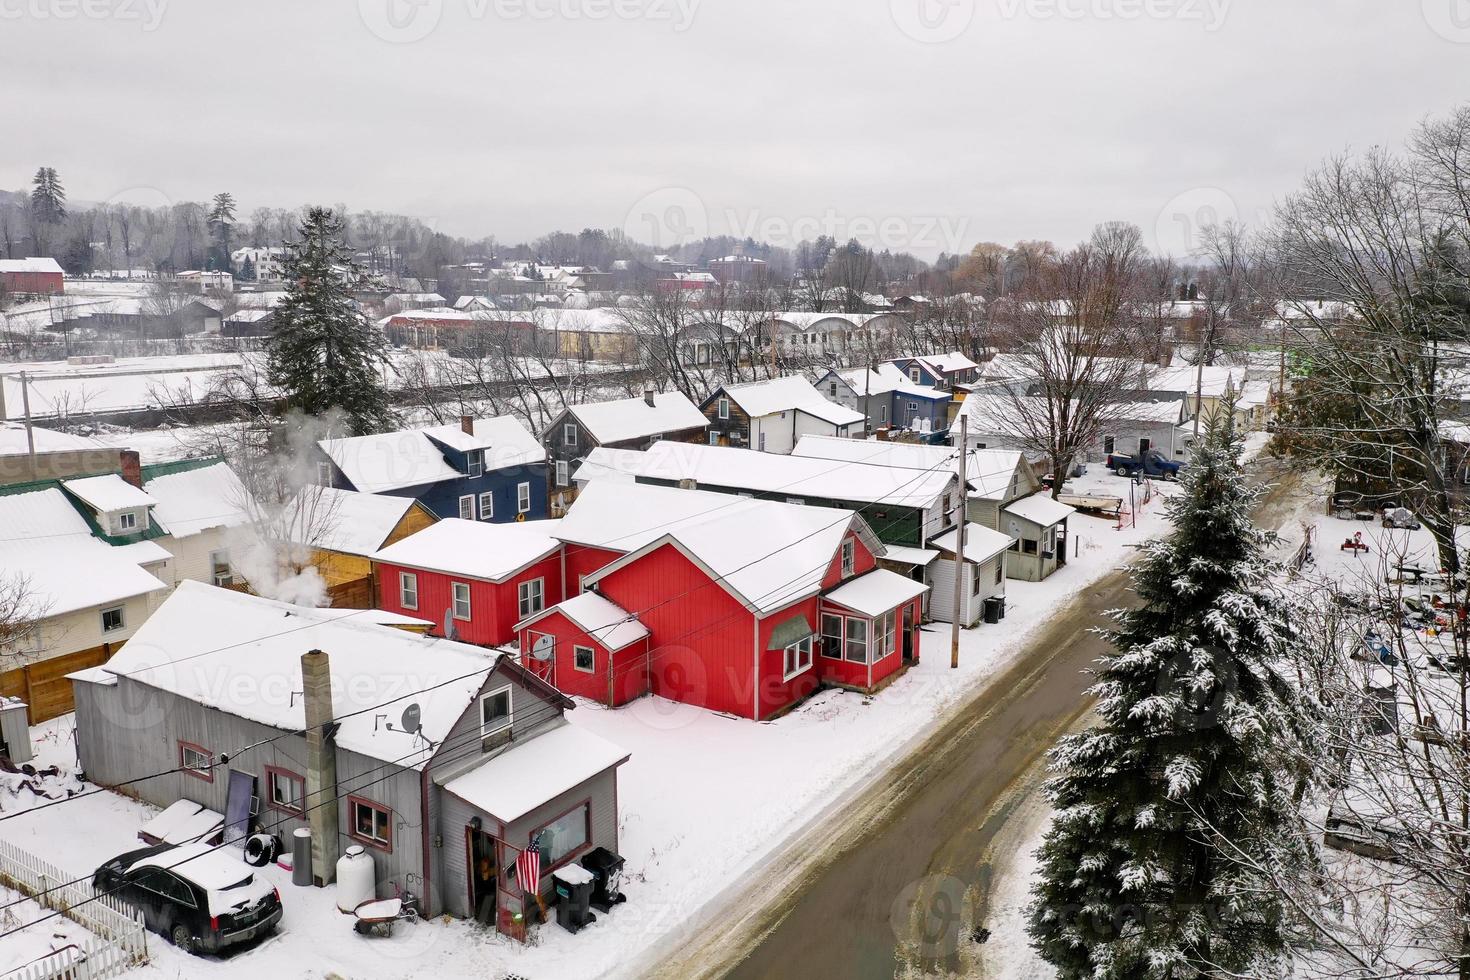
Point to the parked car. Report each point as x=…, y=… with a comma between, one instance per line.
x=1151, y=463
x=1400, y=517
x=196, y=896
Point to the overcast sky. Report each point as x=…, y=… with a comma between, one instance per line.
x=924, y=125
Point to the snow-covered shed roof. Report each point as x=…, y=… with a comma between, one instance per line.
x=389, y=461
x=1039, y=508
x=375, y=669
x=981, y=542
x=761, y=398
x=474, y=549
x=512, y=784
x=505, y=440
x=876, y=592
x=190, y=497
x=30, y=265
x=1169, y=412
x=612, y=626
x=108, y=492
x=634, y=418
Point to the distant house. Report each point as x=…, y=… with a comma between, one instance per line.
x=821, y=335
x=259, y=263
x=41, y=277
x=938, y=370
x=770, y=416
x=474, y=581
x=1130, y=427
x=626, y=423
x=401, y=302
x=592, y=335
x=56, y=455
x=480, y=470
x=342, y=529
x=249, y=323
x=444, y=763
x=887, y=398
x=207, y=281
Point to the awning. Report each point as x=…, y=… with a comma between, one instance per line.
x=790, y=631
x=877, y=592
x=536, y=771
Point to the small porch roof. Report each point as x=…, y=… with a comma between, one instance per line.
x=612, y=626
x=535, y=772
x=877, y=592
x=905, y=555
x=981, y=543
x=1041, y=509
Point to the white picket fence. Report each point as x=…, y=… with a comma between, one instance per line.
x=119, y=942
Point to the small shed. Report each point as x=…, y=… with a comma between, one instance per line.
x=1037, y=526
x=981, y=575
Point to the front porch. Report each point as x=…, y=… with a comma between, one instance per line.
x=869, y=630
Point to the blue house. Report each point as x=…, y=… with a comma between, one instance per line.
x=938, y=370
x=479, y=470
x=887, y=398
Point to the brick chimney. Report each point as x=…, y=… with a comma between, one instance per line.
x=467, y=424
x=321, y=766
x=648, y=395
x=132, y=467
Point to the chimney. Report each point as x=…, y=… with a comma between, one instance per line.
x=321, y=765
x=648, y=395
x=132, y=467
x=467, y=424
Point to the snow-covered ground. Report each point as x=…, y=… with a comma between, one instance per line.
x=703, y=799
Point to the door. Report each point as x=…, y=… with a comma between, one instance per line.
x=908, y=633
x=1143, y=447
x=484, y=874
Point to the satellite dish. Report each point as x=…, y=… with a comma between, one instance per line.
x=450, y=633
x=412, y=718
x=543, y=648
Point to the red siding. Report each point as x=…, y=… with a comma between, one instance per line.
x=584, y=560
x=863, y=562
x=494, y=607
x=33, y=282
x=852, y=674
x=776, y=691
x=629, y=675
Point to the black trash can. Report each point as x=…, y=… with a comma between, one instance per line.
x=607, y=869
x=992, y=609
x=573, y=895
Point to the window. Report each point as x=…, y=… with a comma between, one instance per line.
x=763, y=442
x=913, y=408
x=475, y=462
x=523, y=497
x=832, y=389
x=1108, y=443
x=831, y=636
x=584, y=659
x=798, y=657
x=857, y=640
x=882, y=413
x=531, y=596
x=219, y=564
x=1028, y=546
x=564, y=836
x=287, y=791
x=487, y=505
x=1000, y=569
x=569, y=434
x=723, y=408
x=976, y=580
x=890, y=630
x=324, y=473
x=496, y=712
x=914, y=375
x=370, y=823
x=127, y=521
x=849, y=557
x=195, y=760
x=112, y=619
x=408, y=590
x=562, y=477
x=467, y=508
x=1143, y=446
x=461, y=592
x=714, y=438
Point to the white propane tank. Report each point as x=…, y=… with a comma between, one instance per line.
x=357, y=878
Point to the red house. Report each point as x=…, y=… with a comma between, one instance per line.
x=742, y=606
x=472, y=578
x=41, y=276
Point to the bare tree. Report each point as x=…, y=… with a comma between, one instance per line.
x=21, y=613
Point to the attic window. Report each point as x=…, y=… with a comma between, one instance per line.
x=127, y=521
x=476, y=462
x=724, y=408
x=849, y=557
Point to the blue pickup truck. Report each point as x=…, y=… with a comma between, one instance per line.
x=1152, y=463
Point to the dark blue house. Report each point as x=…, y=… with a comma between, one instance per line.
x=938, y=370
x=887, y=398
x=479, y=470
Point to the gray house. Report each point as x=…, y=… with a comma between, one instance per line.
x=443, y=761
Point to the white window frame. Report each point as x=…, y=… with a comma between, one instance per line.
x=849, y=557
x=569, y=434
x=454, y=598
x=203, y=761
x=467, y=507
x=714, y=440
x=801, y=650
x=524, y=592
x=510, y=710
x=122, y=619
x=577, y=651
x=324, y=473
x=228, y=578
x=487, y=505
x=866, y=642
x=563, y=474
x=840, y=636
x=475, y=462
x=722, y=409
x=290, y=805
x=408, y=585
x=127, y=520
x=523, y=498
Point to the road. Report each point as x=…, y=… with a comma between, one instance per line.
x=895, y=885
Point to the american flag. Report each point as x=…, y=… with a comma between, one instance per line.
x=528, y=867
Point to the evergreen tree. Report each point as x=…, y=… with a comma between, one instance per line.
x=48, y=206
x=1140, y=878
x=324, y=354
x=221, y=223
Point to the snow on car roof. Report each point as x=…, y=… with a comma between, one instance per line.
x=634, y=418
x=389, y=461
x=877, y=592
x=374, y=668
x=512, y=784
x=108, y=492
x=474, y=549
x=209, y=867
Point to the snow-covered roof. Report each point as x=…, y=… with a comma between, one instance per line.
x=909, y=556
x=888, y=378
x=346, y=521
x=506, y=441
x=761, y=398
x=612, y=626
x=795, y=476
x=30, y=265
x=13, y=440
x=474, y=549
x=375, y=669
x=1169, y=412
x=389, y=461
x=803, y=320
x=949, y=363
x=634, y=418
x=625, y=517
x=603, y=463
x=1214, y=379
x=108, y=492
x=988, y=470
x=877, y=592
x=199, y=498
x=46, y=542
x=1039, y=508
x=512, y=784
x=981, y=543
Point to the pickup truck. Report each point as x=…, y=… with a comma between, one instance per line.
x=1151, y=463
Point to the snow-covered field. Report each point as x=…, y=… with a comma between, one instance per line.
x=702, y=800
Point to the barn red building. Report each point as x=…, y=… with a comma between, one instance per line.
x=472, y=578
x=40, y=276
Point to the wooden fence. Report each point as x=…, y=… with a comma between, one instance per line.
x=119, y=941
x=43, y=685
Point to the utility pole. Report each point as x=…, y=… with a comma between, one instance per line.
x=959, y=551
x=25, y=402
